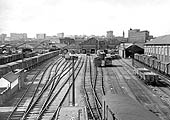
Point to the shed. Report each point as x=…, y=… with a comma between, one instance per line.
x=131, y=50
x=9, y=83
x=10, y=80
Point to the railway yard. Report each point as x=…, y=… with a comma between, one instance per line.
x=60, y=89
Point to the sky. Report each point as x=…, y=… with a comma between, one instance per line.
x=84, y=17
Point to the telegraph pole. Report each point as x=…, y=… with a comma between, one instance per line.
x=73, y=88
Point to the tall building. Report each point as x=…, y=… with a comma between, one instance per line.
x=109, y=34
x=2, y=38
x=41, y=36
x=18, y=36
x=137, y=36
x=60, y=35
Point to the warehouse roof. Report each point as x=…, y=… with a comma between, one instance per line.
x=11, y=77
x=160, y=40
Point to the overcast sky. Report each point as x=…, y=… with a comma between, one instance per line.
x=84, y=16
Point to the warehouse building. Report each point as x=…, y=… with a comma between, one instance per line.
x=159, y=47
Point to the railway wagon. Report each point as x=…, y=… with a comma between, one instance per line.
x=136, y=56
x=14, y=65
x=157, y=64
x=67, y=56
x=97, y=61
x=29, y=63
x=22, y=63
x=139, y=71
x=150, y=78
x=26, y=63
x=164, y=67
x=4, y=69
x=3, y=60
x=123, y=107
x=108, y=61
x=10, y=58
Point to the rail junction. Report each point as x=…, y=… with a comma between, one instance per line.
x=73, y=90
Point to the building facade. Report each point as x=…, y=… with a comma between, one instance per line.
x=137, y=36
x=18, y=36
x=41, y=36
x=159, y=47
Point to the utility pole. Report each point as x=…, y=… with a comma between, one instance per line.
x=73, y=88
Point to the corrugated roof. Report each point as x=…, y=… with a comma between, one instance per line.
x=11, y=77
x=160, y=40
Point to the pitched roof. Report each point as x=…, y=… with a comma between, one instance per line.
x=160, y=40
x=11, y=77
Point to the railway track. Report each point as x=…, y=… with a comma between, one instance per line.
x=93, y=102
x=25, y=100
x=41, y=97
x=63, y=93
x=144, y=94
x=56, y=94
x=114, y=81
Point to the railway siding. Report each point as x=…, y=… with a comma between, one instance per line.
x=156, y=106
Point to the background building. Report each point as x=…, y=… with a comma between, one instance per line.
x=109, y=34
x=2, y=38
x=60, y=35
x=41, y=36
x=137, y=36
x=18, y=36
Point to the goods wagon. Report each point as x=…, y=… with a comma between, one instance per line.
x=97, y=61
x=150, y=78
x=13, y=65
x=26, y=63
x=4, y=69
x=108, y=61
x=146, y=75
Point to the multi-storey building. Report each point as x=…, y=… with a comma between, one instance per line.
x=18, y=36
x=41, y=36
x=2, y=38
x=137, y=36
